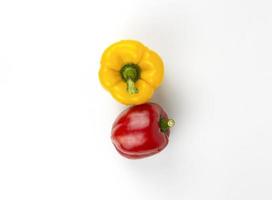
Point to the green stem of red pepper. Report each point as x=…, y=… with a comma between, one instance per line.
x=165, y=124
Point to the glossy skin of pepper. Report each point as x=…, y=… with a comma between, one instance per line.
x=130, y=72
x=141, y=131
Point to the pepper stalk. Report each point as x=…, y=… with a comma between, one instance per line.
x=165, y=124
x=130, y=74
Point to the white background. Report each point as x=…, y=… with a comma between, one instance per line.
x=55, y=118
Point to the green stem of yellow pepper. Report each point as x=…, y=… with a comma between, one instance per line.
x=130, y=74
x=131, y=87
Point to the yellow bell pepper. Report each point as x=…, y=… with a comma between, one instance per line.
x=130, y=72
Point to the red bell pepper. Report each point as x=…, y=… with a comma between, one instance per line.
x=141, y=131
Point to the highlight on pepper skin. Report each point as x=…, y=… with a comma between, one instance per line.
x=130, y=72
